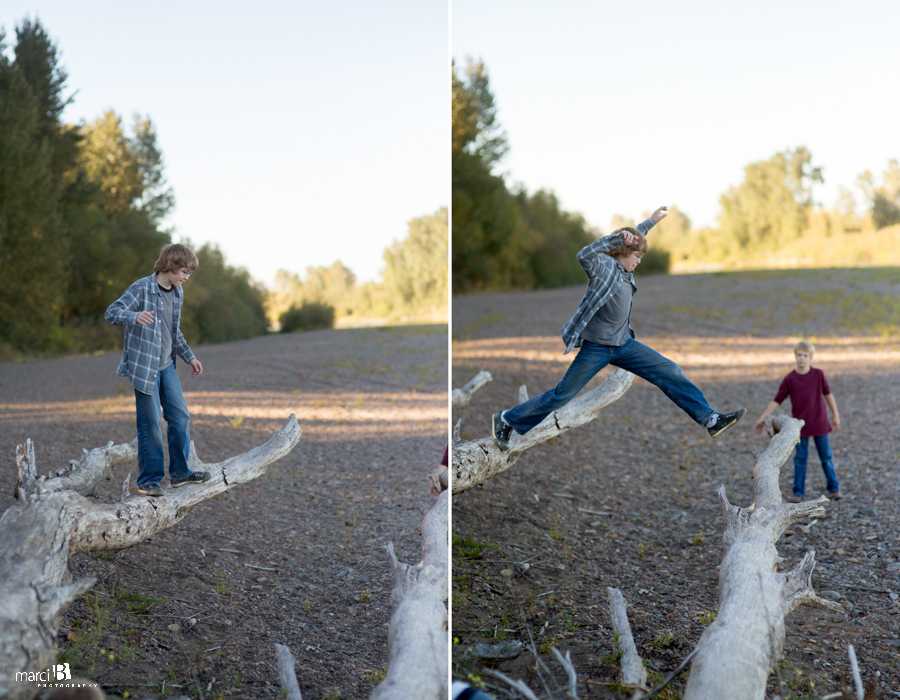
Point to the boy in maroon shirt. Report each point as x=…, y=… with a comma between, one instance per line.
x=809, y=392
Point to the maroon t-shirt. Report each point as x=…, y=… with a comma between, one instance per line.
x=807, y=392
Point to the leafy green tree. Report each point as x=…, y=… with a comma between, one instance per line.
x=487, y=250
x=770, y=208
x=32, y=244
x=885, y=198
x=552, y=238
x=415, y=275
x=475, y=129
x=309, y=316
x=222, y=302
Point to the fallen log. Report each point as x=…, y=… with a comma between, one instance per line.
x=475, y=461
x=633, y=671
x=52, y=523
x=738, y=650
x=418, y=635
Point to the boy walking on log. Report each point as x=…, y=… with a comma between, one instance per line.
x=601, y=328
x=150, y=310
x=809, y=392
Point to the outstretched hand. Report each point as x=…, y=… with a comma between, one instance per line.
x=628, y=238
x=660, y=214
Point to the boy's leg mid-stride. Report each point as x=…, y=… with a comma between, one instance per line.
x=635, y=357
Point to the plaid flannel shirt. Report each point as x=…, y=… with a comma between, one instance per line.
x=143, y=344
x=604, y=279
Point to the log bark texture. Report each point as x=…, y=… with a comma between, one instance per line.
x=739, y=649
x=52, y=523
x=418, y=635
x=474, y=462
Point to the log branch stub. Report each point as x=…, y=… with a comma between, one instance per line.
x=474, y=462
x=459, y=398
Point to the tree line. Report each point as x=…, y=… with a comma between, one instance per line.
x=505, y=238
x=414, y=284
x=82, y=212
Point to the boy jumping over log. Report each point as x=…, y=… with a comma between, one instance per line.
x=809, y=392
x=601, y=328
x=150, y=310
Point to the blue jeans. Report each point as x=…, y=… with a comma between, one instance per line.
x=823, y=447
x=151, y=460
x=635, y=357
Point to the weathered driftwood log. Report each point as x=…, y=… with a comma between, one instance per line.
x=48, y=525
x=290, y=690
x=418, y=635
x=461, y=397
x=738, y=651
x=476, y=461
x=633, y=672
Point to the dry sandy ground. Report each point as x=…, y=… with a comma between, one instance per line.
x=372, y=406
x=654, y=474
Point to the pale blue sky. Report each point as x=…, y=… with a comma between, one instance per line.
x=620, y=107
x=294, y=134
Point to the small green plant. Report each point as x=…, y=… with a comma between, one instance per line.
x=233, y=678
x=612, y=658
x=375, y=677
x=469, y=548
x=641, y=549
x=136, y=601
x=706, y=618
x=699, y=539
x=557, y=535
x=665, y=640
x=365, y=595
x=547, y=645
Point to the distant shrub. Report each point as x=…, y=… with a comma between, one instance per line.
x=308, y=317
x=656, y=261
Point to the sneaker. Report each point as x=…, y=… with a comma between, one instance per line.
x=192, y=478
x=725, y=421
x=795, y=499
x=835, y=495
x=501, y=431
x=150, y=490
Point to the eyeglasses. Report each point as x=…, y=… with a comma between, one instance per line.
x=186, y=273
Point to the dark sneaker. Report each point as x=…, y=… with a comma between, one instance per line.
x=150, y=490
x=835, y=495
x=725, y=421
x=501, y=431
x=192, y=478
x=795, y=499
